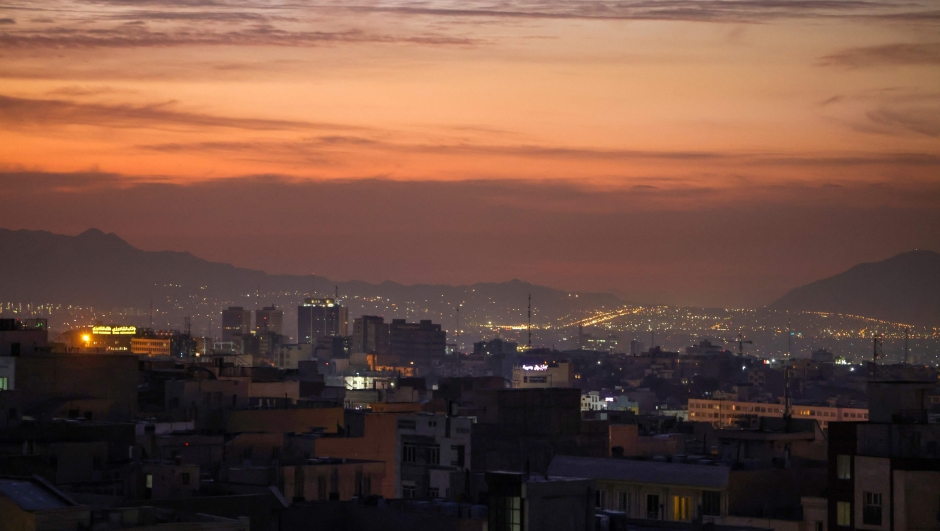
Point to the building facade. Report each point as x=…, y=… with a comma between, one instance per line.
x=423, y=340
x=269, y=319
x=235, y=322
x=725, y=413
x=370, y=335
x=321, y=318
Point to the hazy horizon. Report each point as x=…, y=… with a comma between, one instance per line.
x=686, y=152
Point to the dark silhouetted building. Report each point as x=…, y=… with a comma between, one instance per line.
x=269, y=319
x=321, y=318
x=416, y=341
x=496, y=347
x=235, y=321
x=370, y=335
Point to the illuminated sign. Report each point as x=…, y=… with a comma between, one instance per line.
x=609, y=399
x=114, y=330
x=542, y=367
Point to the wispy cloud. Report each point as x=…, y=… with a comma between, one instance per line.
x=920, y=120
x=30, y=112
x=680, y=10
x=886, y=55
x=320, y=148
x=137, y=36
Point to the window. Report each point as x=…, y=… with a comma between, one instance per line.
x=4, y=383
x=711, y=503
x=409, y=453
x=652, y=506
x=844, y=466
x=871, y=511
x=623, y=502
x=434, y=492
x=434, y=455
x=460, y=455
x=506, y=514
x=184, y=478
x=600, y=499
x=408, y=491
x=819, y=526
x=843, y=513
x=681, y=508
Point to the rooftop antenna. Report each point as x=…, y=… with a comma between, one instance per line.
x=336, y=293
x=907, y=335
x=741, y=341
x=188, y=324
x=529, y=325
x=875, y=353
x=652, y=338
x=789, y=339
x=457, y=338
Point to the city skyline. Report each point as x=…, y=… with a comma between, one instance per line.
x=693, y=153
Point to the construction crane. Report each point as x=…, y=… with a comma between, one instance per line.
x=741, y=341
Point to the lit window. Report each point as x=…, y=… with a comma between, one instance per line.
x=844, y=467
x=843, y=513
x=507, y=514
x=600, y=499
x=4, y=383
x=681, y=508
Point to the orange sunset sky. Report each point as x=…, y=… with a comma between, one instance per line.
x=714, y=152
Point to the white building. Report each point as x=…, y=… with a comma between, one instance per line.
x=592, y=401
x=434, y=455
x=542, y=375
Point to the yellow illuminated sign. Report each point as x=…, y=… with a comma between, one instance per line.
x=114, y=330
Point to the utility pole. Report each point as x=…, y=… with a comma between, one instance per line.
x=907, y=335
x=529, y=325
x=741, y=341
x=875, y=353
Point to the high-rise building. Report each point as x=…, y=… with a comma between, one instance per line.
x=321, y=318
x=416, y=341
x=235, y=321
x=370, y=335
x=269, y=319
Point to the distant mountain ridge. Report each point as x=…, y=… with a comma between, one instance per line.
x=904, y=288
x=103, y=271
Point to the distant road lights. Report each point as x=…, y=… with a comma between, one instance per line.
x=86, y=338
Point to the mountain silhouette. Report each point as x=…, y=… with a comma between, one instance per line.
x=102, y=271
x=904, y=289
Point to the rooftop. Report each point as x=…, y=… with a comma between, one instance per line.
x=33, y=494
x=709, y=476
